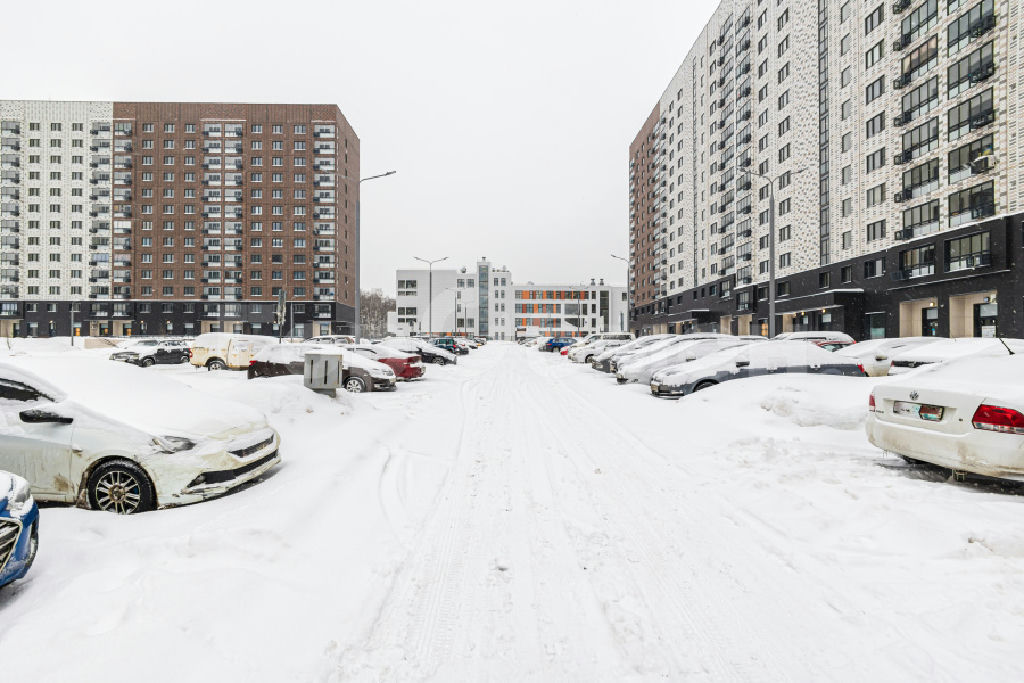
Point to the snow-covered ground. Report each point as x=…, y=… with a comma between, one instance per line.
x=520, y=517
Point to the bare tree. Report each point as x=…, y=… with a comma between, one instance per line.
x=373, y=314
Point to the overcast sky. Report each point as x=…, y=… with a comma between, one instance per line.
x=508, y=124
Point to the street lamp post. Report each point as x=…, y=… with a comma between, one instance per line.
x=771, y=245
x=430, y=291
x=357, y=330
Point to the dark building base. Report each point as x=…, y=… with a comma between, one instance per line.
x=118, y=318
x=958, y=294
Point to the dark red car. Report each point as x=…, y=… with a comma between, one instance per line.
x=406, y=366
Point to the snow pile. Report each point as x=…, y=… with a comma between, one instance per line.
x=278, y=396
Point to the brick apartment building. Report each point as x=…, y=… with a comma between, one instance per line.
x=893, y=134
x=129, y=218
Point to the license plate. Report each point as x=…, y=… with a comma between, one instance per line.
x=924, y=411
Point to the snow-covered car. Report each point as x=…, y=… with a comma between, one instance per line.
x=337, y=339
x=147, y=352
x=221, y=351
x=358, y=374
x=945, y=350
x=426, y=350
x=405, y=365
x=751, y=360
x=623, y=356
x=586, y=353
x=815, y=336
x=19, y=528
x=111, y=438
x=876, y=354
x=603, y=361
x=966, y=415
x=641, y=368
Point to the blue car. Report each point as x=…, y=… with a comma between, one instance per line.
x=556, y=344
x=19, y=528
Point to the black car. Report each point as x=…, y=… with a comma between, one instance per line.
x=147, y=352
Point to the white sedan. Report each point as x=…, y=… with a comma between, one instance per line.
x=112, y=437
x=642, y=368
x=876, y=354
x=966, y=415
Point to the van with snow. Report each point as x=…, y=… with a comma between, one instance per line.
x=222, y=351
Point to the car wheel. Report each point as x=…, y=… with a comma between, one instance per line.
x=355, y=385
x=704, y=385
x=33, y=546
x=216, y=365
x=146, y=362
x=589, y=359
x=120, y=486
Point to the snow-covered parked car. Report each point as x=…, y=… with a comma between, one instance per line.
x=220, y=351
x=19, y=528
x=642, y=367
x=587, y=351
x=966, y=415
x=147, y=352
x=751, y=360
x=945, y=350
x=406, y=366
x=603, y=361
x=876, y=354
x=624, y=355
x=358, y=374
x=815, y=336
x=111, y=438
x=427, y=351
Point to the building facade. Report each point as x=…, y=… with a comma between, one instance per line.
x=485, y=301
x=466, y=302
x=123, y=218
x=885, y=137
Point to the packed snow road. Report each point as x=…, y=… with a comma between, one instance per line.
x=519, y=517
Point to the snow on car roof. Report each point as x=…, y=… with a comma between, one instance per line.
x=211, y=339
x=892, y=345
x=292, y=353
x=775, y=353
x=948, y=349
x=145, y=400
x=836, y=336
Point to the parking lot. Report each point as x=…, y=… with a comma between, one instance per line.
x=519, y=516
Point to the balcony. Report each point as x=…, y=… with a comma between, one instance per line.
x=10, y=160
x=900, y=5
x=323, y=149
x=12, y=127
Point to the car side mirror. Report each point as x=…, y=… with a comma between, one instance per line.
x=690, y=358
x=36, y=415
x=881, y=358
x=742, y=363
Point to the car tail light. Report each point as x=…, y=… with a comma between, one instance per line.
x=871, y=401
x=862, y=370
x=997, y=419
x=252, y=362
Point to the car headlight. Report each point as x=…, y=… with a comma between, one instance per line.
x=381, y=372
x=173, y=444
x=20, y=500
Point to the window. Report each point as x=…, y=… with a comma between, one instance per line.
x=917, y=262
x=784, y=153
x=846, y=274
x=875, y=125
x=970, y=251
x=918, y=22
x=875, y=196
x=783, y=46
x=975, y=113
x=875, y=231
x=847, y=174
x=972, y=69
x=874, y=90
x=874, y=19
x=921, y=179
x=785, y=260
x=968, y=25
x=783, y=72
x=845, y=77
x=872, y=56
x=920, y=140
x=847, y=207
x=920, y=59
x=845, y=11
x=846, y=109
x=920, y=100
x=961, y=160
x=844, y=44
x=971, y=203
x=874, y=268
x=920, y=220
x=783, y=100
x=846, y=142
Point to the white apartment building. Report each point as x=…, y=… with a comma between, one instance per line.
x=484, y=301
x=883, y=131
x=55, y=197
x=467, y=302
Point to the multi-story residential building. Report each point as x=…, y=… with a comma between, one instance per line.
x=468, y=302
x=570, y=310
x=486, y=302
x=890, y=135
x=176, y=218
